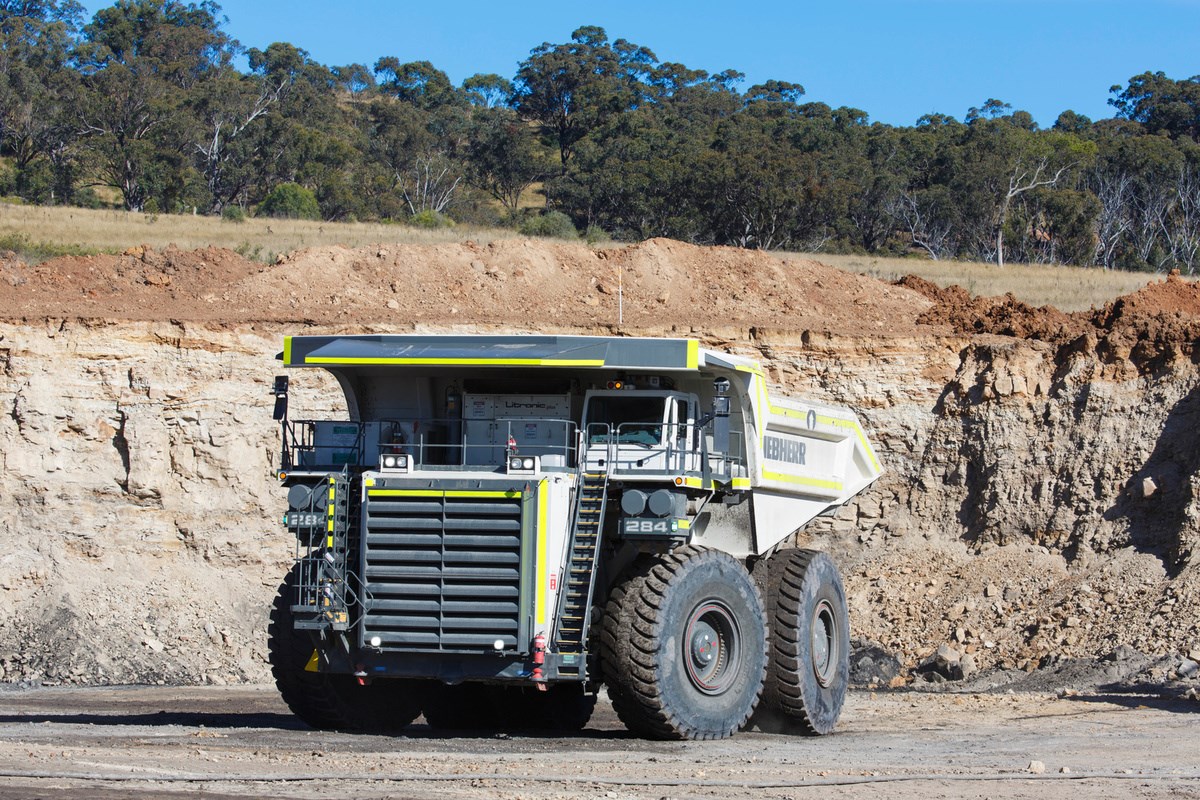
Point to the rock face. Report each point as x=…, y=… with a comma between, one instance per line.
x=139, y=537
x=1012, y=524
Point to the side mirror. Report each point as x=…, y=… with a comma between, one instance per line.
x=280, y=390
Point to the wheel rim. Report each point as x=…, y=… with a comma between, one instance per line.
x=710, y=648
x=825, y=646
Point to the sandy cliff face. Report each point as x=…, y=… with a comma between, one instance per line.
x=1031, y=511
x=136, y=527
x=1040, y=499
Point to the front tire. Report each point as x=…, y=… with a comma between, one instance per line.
x=329, y=701
x=684, y=646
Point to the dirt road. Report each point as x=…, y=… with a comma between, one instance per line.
x=241, y=743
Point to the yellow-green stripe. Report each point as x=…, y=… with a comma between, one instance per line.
x=456, y=362
x=543, y=517
x=509, y=494
x=817, y=483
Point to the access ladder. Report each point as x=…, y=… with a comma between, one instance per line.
x=575, y=604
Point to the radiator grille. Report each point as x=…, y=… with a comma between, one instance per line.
x=443, y=573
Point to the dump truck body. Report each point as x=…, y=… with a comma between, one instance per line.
x=469, y=519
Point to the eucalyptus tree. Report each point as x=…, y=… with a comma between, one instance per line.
x=1160, y=104
x=571, y=89
x=38, y=94
x=488, y=90
x=139, y=60
x=503, y=155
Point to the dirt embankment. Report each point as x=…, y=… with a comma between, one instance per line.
x=1041, y=500
x=1150, y=330
x=515, y=283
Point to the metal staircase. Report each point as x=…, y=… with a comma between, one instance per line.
x=575, y=607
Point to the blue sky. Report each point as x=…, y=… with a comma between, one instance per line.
x=895, y=59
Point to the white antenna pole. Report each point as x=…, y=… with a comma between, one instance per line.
x=620, y=295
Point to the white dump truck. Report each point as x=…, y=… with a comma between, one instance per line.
x=501, y=525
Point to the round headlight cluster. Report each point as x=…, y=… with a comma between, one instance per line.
x=517, y=462
x=633, y=502
x=661, y=503
x=395, y=462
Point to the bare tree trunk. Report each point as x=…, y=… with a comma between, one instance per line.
x=1020, y=182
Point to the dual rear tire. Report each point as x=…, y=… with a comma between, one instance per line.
x=690, y=649
x=809, y=640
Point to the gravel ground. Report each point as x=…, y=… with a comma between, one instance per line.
x=227, y=742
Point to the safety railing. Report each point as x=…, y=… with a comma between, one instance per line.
x=662, y=448
x=346, y=445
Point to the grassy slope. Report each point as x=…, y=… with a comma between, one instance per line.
x=45, y=230
x=39, y=233
x=1066, y=288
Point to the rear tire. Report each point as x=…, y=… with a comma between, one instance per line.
x=684, y=646
x=809, y=668
x=329, y=701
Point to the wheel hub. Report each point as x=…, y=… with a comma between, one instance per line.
x=711, y=642
x=704, y=645
x=824, y=644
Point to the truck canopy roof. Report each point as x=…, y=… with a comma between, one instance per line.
x=599, y=352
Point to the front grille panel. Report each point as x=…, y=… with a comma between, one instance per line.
x=443, y=573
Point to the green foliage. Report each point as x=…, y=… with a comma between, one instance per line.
x=504, y=157
x=254, y=252
x=428, y=218
x=233, y=213
x=550, y=225
x=290, y=201
x=571, y=89
x=488, y=91
x=1160, y=104
x=474, y=207
x=418, y=83
x=596, y=235
x=86, y=197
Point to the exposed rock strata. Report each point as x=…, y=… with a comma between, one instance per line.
x=141, y=543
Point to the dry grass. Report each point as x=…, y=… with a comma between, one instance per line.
x=78, y=230
x=1067, y=288
x=50, y=231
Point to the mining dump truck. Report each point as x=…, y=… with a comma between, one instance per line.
x=502, y=525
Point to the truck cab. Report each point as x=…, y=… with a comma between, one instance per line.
x=641, y=430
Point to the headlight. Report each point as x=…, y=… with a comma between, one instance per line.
x=393, y=461
x=522, y=464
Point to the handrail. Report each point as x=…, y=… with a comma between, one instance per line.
x=669, y=447
x=430, y=441
x=628, y=455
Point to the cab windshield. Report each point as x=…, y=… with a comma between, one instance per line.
x=633, y=419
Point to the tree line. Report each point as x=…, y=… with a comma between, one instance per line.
x=153, y=105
